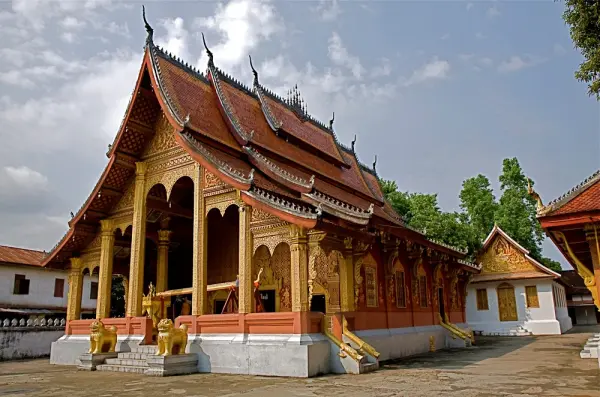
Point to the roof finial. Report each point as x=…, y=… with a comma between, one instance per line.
x=210, y=54
x=254, y=72
x=331, y=121
x=149, y=29
x=354, y=143
x=375, y=163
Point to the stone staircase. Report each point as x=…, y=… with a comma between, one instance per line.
x=590, y=350
x=134, y=361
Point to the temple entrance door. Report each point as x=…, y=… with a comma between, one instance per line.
x=441, y=301
x=507, y=304
x=268, y=300
x=218, y=306
x=318, y=304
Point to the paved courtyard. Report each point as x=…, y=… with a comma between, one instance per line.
x=528, y=366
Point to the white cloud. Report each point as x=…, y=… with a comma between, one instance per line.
x=241, y=25
x=177, y=38
x=493, y=12
x=328, y=10
x=72, y=23
x=434, y=70
x=24, y=176
x=68, y=37
x=385, y=69
x=339, y=56
x=515, y=63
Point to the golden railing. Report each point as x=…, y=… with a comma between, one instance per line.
x=465, y=335
x=344, y=348
x=362, y=345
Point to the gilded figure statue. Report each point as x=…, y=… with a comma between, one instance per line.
x=171, y=340
x=102, y=339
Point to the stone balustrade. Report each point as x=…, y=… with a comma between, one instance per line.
x=43, y=322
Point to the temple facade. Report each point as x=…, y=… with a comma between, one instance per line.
x=234, y=214
x=514, y=294
x=572, y=222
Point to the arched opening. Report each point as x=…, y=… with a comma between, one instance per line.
x=168, y=262
x=89, y=293
x=177, y=238
x=120, y=278
x=222, y=245
x=507, y=303
x=275, y=282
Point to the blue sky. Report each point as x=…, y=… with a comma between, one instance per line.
x=440, y=91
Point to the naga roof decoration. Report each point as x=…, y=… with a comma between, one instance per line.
x=281, y=159
x=560, y=202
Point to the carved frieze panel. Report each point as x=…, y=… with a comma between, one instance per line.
x=163, y=139
x=502, y=256
x=126, y=200
x=211, y=180
x=221, y=202
x=260, y=215
x=270, y=236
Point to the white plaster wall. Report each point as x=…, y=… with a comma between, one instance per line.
x=538, y=321
x=41, y=288
x=19, y=343
x=561, y=311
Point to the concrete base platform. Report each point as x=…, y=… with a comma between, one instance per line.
x=403, y=342
x=69, y=348
x=293, y=355
x=89, y=361
x=172, y=365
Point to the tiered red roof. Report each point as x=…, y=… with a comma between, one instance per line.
x=280, y=158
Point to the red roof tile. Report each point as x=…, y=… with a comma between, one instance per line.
x=21, y=256
x=587, y=200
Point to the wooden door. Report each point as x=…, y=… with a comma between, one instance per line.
x=507, y=304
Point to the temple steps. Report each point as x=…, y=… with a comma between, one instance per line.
x=134, y=361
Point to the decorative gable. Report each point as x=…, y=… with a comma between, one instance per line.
x=501, y=256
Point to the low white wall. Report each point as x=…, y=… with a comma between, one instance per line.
x=27, y=342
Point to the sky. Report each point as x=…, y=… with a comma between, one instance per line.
x=439, y=90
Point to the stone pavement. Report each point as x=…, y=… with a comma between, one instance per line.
x=518, y=366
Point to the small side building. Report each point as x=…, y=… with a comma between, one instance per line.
x=28, y=290
x=514, y=294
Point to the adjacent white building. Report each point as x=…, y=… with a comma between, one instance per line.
x=514, y=294
x=27, y=289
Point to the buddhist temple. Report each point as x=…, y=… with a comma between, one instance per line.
x=249, y=240
x=572, y=222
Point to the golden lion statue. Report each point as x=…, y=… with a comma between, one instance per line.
x=102, y=339
x=171, y=340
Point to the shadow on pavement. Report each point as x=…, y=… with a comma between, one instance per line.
x=486, y=347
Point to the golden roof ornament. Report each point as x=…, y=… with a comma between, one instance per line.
x=535, y=195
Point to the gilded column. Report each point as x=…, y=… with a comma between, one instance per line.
x=106, y=268
x=245, y=260
x=162, y=260
x=75, y=290
x=138, y=243
x=299, y=271
x=347, y=278
x=199, y=296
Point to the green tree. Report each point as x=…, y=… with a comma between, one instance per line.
x=516, y=213
x=551, y=264
x=398, y=200
x=583, y=18
x=479, y=205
